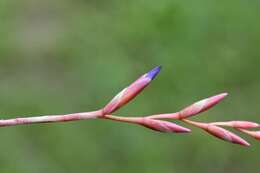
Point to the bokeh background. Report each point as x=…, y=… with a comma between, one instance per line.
x=67, y=56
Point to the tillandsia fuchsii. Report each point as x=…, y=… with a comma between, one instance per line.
x=152, y=121
x=130, y=92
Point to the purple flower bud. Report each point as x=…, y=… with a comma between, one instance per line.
x=153, y=73
x=130, y=92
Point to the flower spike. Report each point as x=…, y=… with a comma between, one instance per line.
x=194, y=109
x=218, y=132
x=226, y=135
x=129, y=93
x=201, y=106
x=155, y=122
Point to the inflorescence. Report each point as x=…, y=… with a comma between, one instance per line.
x=158, y=122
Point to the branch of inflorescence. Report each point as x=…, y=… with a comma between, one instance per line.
x=158, y=122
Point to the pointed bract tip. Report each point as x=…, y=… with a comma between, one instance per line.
x=218, y=97
x=246, y=144
x=186, y=130
x=153, y=73
x=224, y=94
x=254, y=134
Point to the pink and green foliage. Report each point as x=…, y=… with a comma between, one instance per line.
x=159, y=122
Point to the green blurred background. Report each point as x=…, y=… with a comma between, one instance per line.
x=68, y=56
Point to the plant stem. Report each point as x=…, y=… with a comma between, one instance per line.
x=134, y=120
x=175, y=115
x=51, y=118
x=196, y=124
